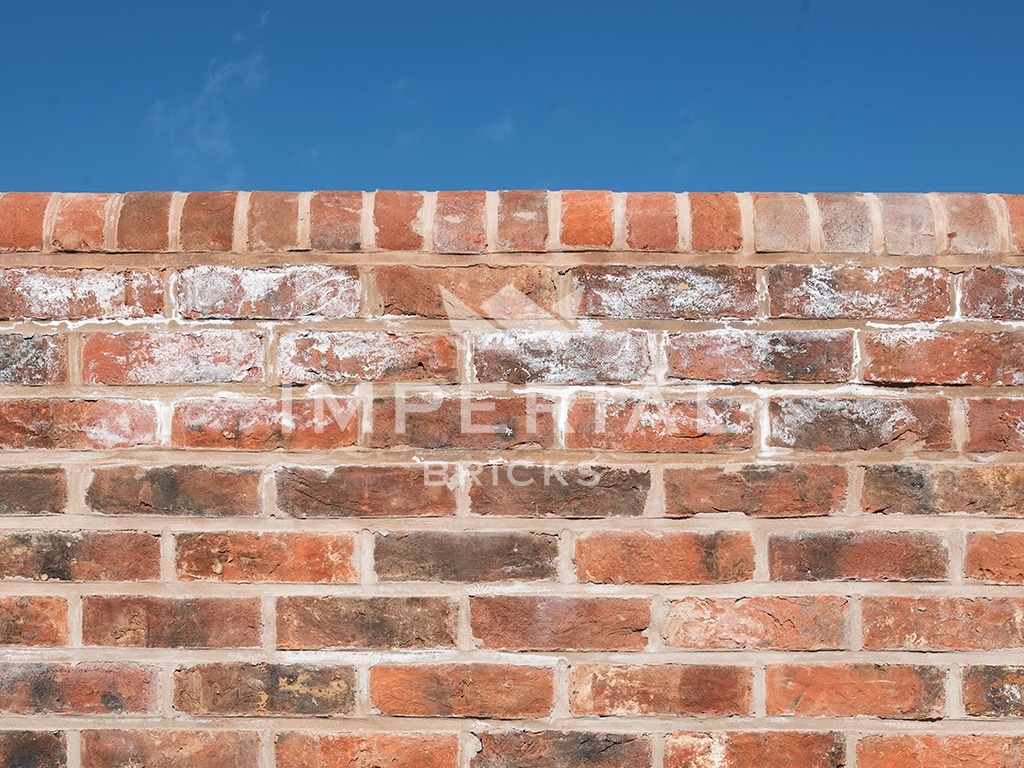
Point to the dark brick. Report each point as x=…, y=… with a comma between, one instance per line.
x=467, y=556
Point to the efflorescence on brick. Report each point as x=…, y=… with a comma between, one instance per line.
x=476, y=479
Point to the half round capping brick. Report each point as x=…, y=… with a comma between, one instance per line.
x=21, y=220
x=652, y=222
x=845, y=223
x=586, y=220
x=273, y=222
x=208, y=221
x=80, y=221
x=971, y=224
x=909, y=223
x=143, y=223
x=781, y=224
x=715, y=222
x=335, y=223
x=398, y=219
x=460, y=222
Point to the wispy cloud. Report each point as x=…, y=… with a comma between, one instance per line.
x=500, y=132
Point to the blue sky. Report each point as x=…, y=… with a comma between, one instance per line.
x=794, y=95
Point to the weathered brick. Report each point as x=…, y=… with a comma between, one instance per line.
x=33, y=360
x=901, y=692
x=523, y=220
x=503, y=691
x=259, y=557
x=367, y=750
x=812, y=623
x=994, y=292
x=264, y=424
x=780, y=223
x=651, y=221
x=586, y=219
x=274, y=293
x=558, y=491
x=886, y=293
x=366, y=622
x=208, y=221
x=659, y=690
x=354, y=491
x=76, y=424
x=858, y=556
x=335, y=221
x=555, y=357
x=273, y=221
x=859, y=424
x=845, y=223
x=994, y=691
x=909, y=224
x=206, y=357
x=143, y=222
x=169, y=749
x=78, y=689
x=351, y=356
x=21, y=220
x=78, y=294
x=33, y=491
x=995, y=424
x=561, y=749
x=781, y=490
x=38, y=620
x=265, y=689
x=459, y=222
x=525, y=292
x=995, y=557
x=715, y=222
x=732, y=355
x=139, y=621
x=923, y=489
x=532, y=623
x=932, y=750
x=942, y=623
x=970, y=224
x=397, y=219
x=679, y=557
x=755, y=749
x=690, y=293
x=936, y=357
x=33, y=749
x=1015, y=213
x=175, y=490
x=468, y=556
x=79, y=556
x=79, y=221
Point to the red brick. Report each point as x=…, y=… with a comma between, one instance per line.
x=78, y=689
x=263, y=424
x=909, y=224
x=562, y=749
x=175, y=490
x=79, y=222
x=715, y=222
x=33, y=360
x=273, y=221
x=732, y=355
x=942, y=623
x=21, y=220
x=459, y=223
x=940, y=751
x=530, y=623
x=858, y=556
x=208, y=221
x=80, y=556
x=398, y=220
x=266, y=557
x=33, y=491
x=809, y=623
x=169, y=749
x=934, y=357
x=1015, y=212
x=525, y=292
x=353, y=491
x=78, y=294
x=995, y=557
x=681, y=557
x=350, y=356
x=556, y=357
x=900, y=692
x=845, y=223
x=861, y=424
x=780, y=223
x=970, y=224
x=138, y=621
x=76, y=424
x=755, y=749
x=995, y=424
x=922, y=489
x=652, y=223
x=336, y=221
x=994, y=691
x=143, y=222
x=276, y=293
x=38, y=620
x=366, y=622
x=502, y=691
x=265, y=689
x=523, y=220
x=586, y=219
x=887, y=293
x=172, y=358
x=783, y=490
x=994, y=292
x=683, y=425
x=469, y=422
x=690, y=293
x=367, y=750
x=581, y=491
x=659, y=690
x=465, y=556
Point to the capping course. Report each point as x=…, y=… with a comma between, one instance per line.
x=813, y=544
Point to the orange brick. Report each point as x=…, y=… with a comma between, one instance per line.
x=995, y=424
x=143, y=222
x=682, y=557
x=523, y=220
x=659, y=690
x=169, y=749
x=651, y=221
x=367, y=750
x=273, y=221
x=994, y=292
x=940, y=751
x=336, y=221
x=79, y=222
x=79, y=556
x=586, y=219
x=21, y=220
x=715, y=222
x=76, y=424
x=38, y=620
x=266, y=557
x=208, y=221
x=397, y=218
x=970, y=224
x=139, y=621
x=858, y=556
x=562, y=749
x=935, y=357
x=459, y=223
x=755, y=749
x=942, y=623
x=78, y=689
x=995, y=557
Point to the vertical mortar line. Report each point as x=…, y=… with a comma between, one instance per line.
x=998, y=206
x=759, y=690
x=814, y=234
x=852, y=737
x=171, y=294
x=656, y=632
x=363, y=704
x=684, y=223
x=854, y=491
x=654, y=505
x=957, y=555
x=566, y=571
x=764, y=308
x=761, y=424
x=491, y=220
x=657, y=343
x=49, y=219
x=75, y=639
x=859, y=355
x=240, y=233
x=657, y=750
x=467, y=351
x=75, y=342
x=959, y=424
x=554, y=222
x=746, y=204
x=268, y=491
x=112, y=215
x=427, y=213
x=940, y=223
x=174, y=221
x=74, y=747
x=304, y=221
x=364, y=557
x=267, y=758
x=560, y=403
x=956, y=286
x=954, y=692
x=367, y=229
x=78, y=483
x=167, y=549
x=167, y=689
x=560, y=706
x=619, y=224
x=464, y=626
x=877, y=223
x=855, y=624
x=363, y=395
x=370, y=302
x=762, y=570
x=271, y=344
x=461, y=479
x=469, y=745
x=268, y=624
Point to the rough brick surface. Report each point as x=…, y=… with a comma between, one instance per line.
x=524, y=490
x=924, y=489
x=76, y=294
x=671, y=558
x=715, y=222
x=33, y=360
x=348, y=356
x=33, y=621
x=655, y=690
x=994, y=691
x=864, y=555
x=398, y=220
x=366, y=750
x=378, y=622
x=651, y=221
x=586, y=219
x=79, y=556
x=336, y=221
x=943, y=623
x=287, y=557
x=21, y=220
x=995, y=557
x=521, y=357
x=143, y=222
x=468, y=556
x=207, y=221
x=561, y=749
x=33, y=491
x=936, y=751
x=264, y=689
x=177, y=490
x=79, y=221
x=33, y=749
x=467, y=292
x=169, y=749
x=994, y=292
x=930, y=357
x=353, y=491
x=158, y=622
x=995, y=424
x=459, y=225
x=78, y=689
x=780, y=223
x=522, y=220
x=753, y=749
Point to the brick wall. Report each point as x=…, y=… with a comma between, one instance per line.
x=483, y=480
